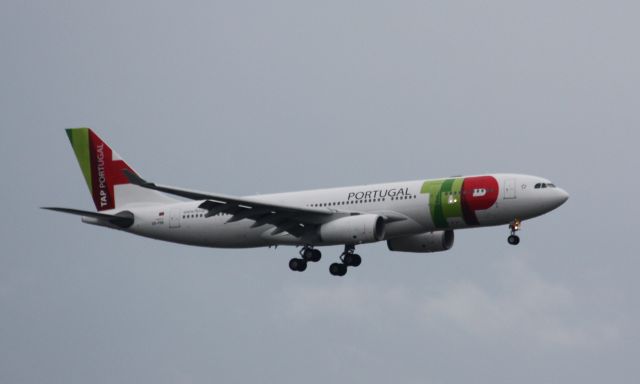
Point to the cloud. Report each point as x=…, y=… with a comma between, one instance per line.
x=523, y=305
x=518, y=306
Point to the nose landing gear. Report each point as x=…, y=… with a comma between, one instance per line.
x=348, y=259
x=514, y=239
x=307, y=254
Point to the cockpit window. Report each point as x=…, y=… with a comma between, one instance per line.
x=544, y=185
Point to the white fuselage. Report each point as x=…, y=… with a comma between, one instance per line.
x=410, y=202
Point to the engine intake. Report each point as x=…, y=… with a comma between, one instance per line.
x=423, y=242
x=353, y=230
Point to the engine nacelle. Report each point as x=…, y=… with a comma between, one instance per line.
x=353, y=230
x=423, y=242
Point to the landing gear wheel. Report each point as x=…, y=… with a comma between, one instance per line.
x=298, y=265
x=352, y=259
x=310, y=254
x=313, y=255
x=338, y=269
x=513, y=240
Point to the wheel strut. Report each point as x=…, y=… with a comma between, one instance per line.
x=348, y=258
x=514, y=227
x=310, y=254
x=307, y=254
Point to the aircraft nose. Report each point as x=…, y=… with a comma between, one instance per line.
x=561, y=196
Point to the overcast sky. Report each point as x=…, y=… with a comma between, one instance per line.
x=246, y=97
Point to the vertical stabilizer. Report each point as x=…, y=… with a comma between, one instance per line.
x=102, y=169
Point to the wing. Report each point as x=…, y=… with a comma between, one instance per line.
x=294, y=220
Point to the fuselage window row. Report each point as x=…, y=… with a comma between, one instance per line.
x=361, y=201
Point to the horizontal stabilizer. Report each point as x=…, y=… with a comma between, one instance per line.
x=122, y=219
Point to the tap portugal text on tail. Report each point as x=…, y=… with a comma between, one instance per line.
x=411, y=216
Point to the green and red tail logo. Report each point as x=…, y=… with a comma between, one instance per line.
x=102, y=168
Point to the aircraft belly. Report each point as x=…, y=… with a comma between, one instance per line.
x=230, y=235
x=207, y=232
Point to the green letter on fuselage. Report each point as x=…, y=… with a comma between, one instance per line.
x=444, y=200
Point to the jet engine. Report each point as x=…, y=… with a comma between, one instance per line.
x=353, y=230
x=423, y=242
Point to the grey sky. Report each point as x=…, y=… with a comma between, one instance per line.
x=258, y=96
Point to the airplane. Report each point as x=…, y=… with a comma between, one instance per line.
x=411, y=216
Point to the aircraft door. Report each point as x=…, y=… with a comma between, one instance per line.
x=510, y=189
x=174, y=218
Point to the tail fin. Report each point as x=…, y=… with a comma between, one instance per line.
x=103, y=171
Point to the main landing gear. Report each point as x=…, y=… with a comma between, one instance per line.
x=307, y=254
x=348, y=259
x=513, y=239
